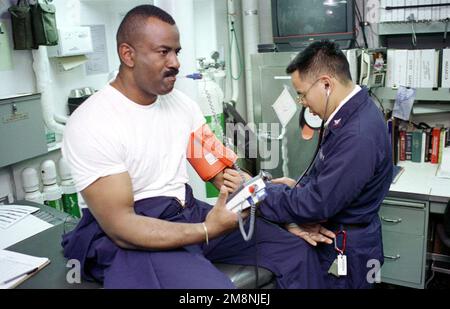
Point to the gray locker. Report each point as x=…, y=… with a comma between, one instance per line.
x=269, y=78
x=22, y=132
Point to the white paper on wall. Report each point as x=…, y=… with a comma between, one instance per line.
x=98, y=60
x=285, y=107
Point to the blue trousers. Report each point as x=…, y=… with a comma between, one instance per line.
x=294, y=262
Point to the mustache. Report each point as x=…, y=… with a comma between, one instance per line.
x=171, y=72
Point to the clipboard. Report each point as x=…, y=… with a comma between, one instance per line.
x=16, y=267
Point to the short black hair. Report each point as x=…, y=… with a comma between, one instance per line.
x=322, y=57
x=136, y=17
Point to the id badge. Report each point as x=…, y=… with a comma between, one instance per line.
x=342, y=265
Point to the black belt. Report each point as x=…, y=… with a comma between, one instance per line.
x=346, y=226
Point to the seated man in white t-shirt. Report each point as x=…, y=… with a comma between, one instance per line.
x=126, y=146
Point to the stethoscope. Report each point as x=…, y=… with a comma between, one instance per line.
x=319, y=143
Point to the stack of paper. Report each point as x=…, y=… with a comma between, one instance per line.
x=17, y=223
x=11, y=214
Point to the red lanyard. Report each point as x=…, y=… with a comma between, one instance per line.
x=344, y=242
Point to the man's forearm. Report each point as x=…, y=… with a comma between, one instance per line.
x=140, y=232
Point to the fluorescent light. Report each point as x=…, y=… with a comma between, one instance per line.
x=330, y=3
x=333, y=2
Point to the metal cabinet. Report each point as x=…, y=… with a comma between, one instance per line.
x=269, y=79
x=404, y=231
x=22, y=132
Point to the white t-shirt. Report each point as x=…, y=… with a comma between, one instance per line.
x=110, y=134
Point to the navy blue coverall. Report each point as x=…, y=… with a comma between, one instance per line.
x=351, y=176
x=189, y=267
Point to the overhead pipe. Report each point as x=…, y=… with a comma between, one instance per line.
x=234, y=56
x=61, y=119
x=41, y=67
x=251, y=41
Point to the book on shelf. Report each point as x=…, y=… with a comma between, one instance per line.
x=417, y=143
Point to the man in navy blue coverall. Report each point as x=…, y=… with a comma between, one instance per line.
x=351, y=175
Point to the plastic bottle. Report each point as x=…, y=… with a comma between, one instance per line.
x=50, y=137
x=69, y=192
x=52, y=192
x=30, y=182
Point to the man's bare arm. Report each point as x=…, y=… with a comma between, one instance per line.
x=110, y=199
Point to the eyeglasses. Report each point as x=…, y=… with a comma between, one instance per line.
x=302, y=96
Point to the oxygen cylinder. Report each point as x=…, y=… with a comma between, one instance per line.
x=210, y=101
x=219, y=77
x=52, y=192
x=30, y=182
x=69, y=192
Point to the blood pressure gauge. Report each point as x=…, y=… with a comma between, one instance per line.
x=309, y=123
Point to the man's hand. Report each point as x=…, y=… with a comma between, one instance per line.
x=312, y=233
x=233, y=179
x=285, y=181
x=220, y=220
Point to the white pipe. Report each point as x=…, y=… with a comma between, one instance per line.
x=61, y=119
x=41, y=67
x=235, y=65
x=251, y=41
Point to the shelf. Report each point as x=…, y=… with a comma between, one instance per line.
x=405, y=28
x=422, y=94
x=423, y=109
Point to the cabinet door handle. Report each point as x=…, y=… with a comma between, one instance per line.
x=404, y=203
x=391, y=220
x=390, y=257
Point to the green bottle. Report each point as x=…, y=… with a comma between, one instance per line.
x=70, y=200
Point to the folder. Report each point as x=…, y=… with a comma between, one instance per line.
x=435, y=11
x=445, y=70
x=410, y=69
x=400, y=12
x=400, y=67
x=417, y=68
x=390, y=72
x=429, y=68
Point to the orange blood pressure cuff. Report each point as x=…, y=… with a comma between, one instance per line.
x=207, y=155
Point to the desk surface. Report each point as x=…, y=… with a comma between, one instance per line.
x=419, y=180
x=53, y=276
